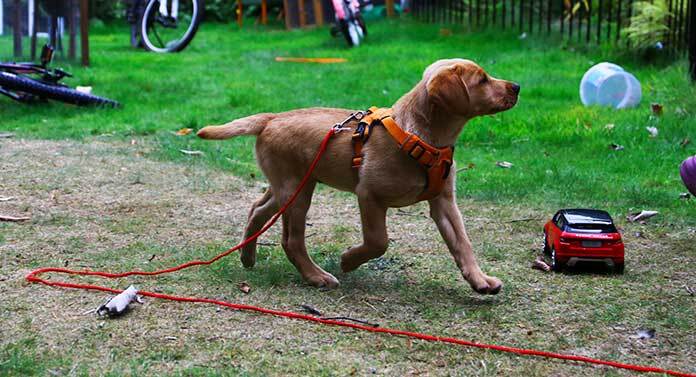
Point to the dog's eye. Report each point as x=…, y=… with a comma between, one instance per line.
x=483, y=80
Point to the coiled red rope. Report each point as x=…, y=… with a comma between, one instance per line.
x=33, y=277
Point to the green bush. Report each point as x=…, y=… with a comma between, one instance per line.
x=107, y=10
x=648, y=26
x=220, y=10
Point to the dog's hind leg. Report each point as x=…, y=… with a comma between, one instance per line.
x=375, y=240
x=260, y=212
x=294, y=220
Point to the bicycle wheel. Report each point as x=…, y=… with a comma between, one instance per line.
x=170, y=25
x=361, y=23
x=350, y=32
x=22, y=84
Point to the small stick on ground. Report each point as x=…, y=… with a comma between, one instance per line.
x=401, y=212
x=267, y=244
x=520, y=220
x=6, y=198
x=13, y=219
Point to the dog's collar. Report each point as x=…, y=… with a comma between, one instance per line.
x=436, y=161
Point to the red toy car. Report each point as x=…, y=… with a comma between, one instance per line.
x=583, y=235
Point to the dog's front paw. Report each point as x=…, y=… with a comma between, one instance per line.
x=323, y=280
x=488, y=285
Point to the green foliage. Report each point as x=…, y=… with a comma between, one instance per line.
x=215, y=10
x=220, y=10
x=648, y=24
x=107, y=10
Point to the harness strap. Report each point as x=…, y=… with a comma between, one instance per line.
x=436, y=161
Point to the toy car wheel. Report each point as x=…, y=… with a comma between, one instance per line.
x=547, y=249
x=555, y=264
x=619, y=268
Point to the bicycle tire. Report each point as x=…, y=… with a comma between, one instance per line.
x=184, y=42
x=345, y=30
x=361, y=23
x=41, y=89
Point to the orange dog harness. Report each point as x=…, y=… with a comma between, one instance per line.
x=436, y=161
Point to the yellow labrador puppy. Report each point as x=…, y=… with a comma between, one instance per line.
x=451, y=92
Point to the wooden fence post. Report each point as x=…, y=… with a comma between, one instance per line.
x=389, y=4
x=692, y=39
x=17, y=28
x=84, y=32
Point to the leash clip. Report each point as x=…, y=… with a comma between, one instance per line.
x=358, y=115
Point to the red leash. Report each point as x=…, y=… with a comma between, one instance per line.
x=34, y=278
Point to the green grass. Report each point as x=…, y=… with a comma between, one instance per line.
x=560, y=149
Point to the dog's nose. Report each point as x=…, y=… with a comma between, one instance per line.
x=516, y=88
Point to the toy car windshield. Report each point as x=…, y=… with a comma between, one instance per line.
x=589, y=221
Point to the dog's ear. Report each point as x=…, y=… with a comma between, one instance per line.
x=447, y=88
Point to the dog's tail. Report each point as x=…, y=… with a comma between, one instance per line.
x=251, y=125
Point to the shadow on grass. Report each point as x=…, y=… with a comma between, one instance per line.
x=383, y=277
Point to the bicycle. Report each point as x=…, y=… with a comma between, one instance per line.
x=30, y=82
x=163, y=25
x=349, y=21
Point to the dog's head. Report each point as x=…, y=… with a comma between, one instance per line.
x=463, y=88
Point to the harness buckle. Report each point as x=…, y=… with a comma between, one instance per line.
x=358, y=115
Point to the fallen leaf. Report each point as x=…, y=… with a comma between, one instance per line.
x=244, y=287
x=191, y=153
x=656, y=108
x=310, y=309
x=469, y=166
x=684, y=142
x=540, y=264
x=445, y=32
x=609, y=126
x=646, y=334
x=84, y=89
x=183, y=131
x=653, y=131
x=54, y=196
x=504, y=164
x=14, y=219
x=642, y=215
x=616, y=147
x=681, y=112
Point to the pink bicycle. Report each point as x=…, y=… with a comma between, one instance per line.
x=349, y=21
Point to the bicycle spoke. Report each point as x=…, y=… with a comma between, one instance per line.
x=161, y=44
